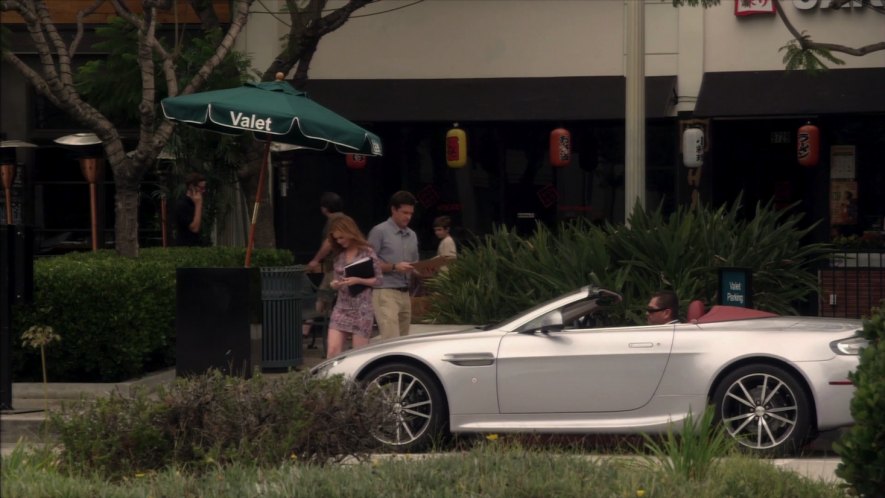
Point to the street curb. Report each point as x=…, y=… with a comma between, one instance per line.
x=74, y=390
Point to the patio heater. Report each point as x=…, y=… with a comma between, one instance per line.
x=7, y=170
x=166, y=156
x=92, y=166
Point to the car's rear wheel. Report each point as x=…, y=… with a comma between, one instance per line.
x=417, y=415
x=764, y=408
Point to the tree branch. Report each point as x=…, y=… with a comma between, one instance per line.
x=307, y=27
x=80, y=15
x=147, y=109
x=806, y=43
x=32, y=76
x=238, y=20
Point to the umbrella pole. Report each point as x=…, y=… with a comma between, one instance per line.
x=259, y=191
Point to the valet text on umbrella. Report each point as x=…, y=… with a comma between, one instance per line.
x=252, y=122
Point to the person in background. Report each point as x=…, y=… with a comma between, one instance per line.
x=189, y=212
x=442, y=226
x=352, y=315
x=663, y=307
x=331, y=206
x=397, y=247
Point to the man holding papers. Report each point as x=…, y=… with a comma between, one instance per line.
x=357, y=269
x=397, y=247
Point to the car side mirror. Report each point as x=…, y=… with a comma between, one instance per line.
x=552, y=322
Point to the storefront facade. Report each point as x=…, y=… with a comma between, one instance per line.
x=508, y=73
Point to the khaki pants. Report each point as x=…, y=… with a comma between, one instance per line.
x=393, y=312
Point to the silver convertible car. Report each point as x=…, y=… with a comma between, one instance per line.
x=774, y=381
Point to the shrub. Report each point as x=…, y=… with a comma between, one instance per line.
x=692, y=453
x=504, y=273
x=116, y=315
x=212, y=419
x=862, y=448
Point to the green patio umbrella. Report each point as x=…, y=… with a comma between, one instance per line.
x=273, y=112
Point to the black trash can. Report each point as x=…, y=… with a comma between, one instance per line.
x=217, y=320
x=282, y=289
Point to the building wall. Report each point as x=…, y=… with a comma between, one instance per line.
x=483, y=39
x=751, y=43
x=531, y=38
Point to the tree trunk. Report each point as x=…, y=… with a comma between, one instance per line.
x=126, y=225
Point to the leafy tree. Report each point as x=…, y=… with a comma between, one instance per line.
x=802, y=52
x=157, y=60
x=308, y=22
x=113, y=83
x=179, y=74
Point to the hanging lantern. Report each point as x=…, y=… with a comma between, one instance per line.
x=456, y=147
x=808, y=145
x=693, y=147
x=356, y=161
x=560, y=148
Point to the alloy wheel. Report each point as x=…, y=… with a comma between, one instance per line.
x=410, y=407
x=760, y=410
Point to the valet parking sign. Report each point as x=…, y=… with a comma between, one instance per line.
x=735, y=287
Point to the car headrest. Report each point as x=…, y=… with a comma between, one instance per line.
x=696, y=309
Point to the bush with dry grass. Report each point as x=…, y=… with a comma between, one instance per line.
x=212, y=419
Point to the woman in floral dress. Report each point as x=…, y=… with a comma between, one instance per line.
x=352, y=314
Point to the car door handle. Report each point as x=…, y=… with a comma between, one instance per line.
x=470, y=359
x=641, y=344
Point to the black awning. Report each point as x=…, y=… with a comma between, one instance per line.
x=772, y=93
x=489, y=99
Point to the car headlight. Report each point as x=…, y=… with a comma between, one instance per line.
x=323, y=368
x=849, y=346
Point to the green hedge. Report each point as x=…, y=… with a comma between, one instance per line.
x=115, y=315
x=863, y=448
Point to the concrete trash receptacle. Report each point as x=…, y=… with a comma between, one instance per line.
x=217, y=320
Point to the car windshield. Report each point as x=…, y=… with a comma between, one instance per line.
x=586, y=313
x=583, y=302
x=516, y=317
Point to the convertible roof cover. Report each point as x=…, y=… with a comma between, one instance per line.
x=730, y=313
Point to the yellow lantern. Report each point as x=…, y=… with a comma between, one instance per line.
x=456, y=147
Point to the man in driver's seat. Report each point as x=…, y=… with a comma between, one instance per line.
x=663, y=308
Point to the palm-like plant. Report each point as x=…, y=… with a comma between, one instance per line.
x=504, y=273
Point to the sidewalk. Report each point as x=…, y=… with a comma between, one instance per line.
x=29, y=404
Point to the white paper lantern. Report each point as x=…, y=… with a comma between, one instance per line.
x=693, y=147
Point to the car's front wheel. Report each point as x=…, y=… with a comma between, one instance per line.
x=417, y=412
x=764, y=408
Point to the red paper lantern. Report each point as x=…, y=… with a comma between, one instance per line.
x=560, y=148
x=356, y=161
x=456, y=147
x=808, y=145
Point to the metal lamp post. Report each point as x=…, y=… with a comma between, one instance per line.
x=16, y=268
x=92, y=168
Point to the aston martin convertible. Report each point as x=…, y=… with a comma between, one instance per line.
x=561, y=367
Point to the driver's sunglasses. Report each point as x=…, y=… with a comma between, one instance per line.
x=654, y=310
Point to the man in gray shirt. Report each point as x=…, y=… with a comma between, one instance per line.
x=397, y=247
